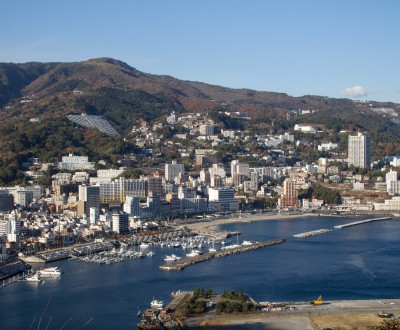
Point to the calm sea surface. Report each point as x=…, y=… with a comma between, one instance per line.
x=360, y=262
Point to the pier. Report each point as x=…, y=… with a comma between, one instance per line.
x=15, y=278
x=181, y=264
x=356, y=223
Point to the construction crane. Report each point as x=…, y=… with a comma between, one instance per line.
x=318, y=301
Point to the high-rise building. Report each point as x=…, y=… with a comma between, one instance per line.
x=13, y=229
x=289, y=197
x=173, y=170
x=120, y=222
x=359, y=150
x=90, y=196
x=155, y=185
x=222, y=199
x=132, y=205
x=6, y=201
x=117, y=190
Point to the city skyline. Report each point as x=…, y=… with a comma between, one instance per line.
x=338, y=49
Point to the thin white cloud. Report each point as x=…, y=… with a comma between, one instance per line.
x=355, y=91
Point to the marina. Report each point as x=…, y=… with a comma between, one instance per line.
x=361, y=222
x=179, y=265
x=284, y=272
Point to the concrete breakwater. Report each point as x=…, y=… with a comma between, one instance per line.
x=181, y=264
x=356, y=223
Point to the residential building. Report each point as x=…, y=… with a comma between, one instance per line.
x=73, y=163
x=359, y=150
x=89, y=197
x=120, y=222
x=206, y=130
x=116, y=191
x=173, y=170
x=389, y=205
x=222, y=199
x=289, y=197
x=6, y=201
x=132, y=205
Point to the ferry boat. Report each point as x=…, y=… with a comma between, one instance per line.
x=49, y=272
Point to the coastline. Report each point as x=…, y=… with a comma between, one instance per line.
x=340, y=314
x=209, y=227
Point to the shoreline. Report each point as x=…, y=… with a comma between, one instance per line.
x=209, y=227
x=336, y=314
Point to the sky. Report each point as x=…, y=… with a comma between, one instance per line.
x=337, y=48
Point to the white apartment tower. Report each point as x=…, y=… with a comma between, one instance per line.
x=173, y=170
x=13, y=229
x=132, y=205
x=359, y=150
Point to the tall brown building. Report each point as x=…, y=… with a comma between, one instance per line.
x=289, y=197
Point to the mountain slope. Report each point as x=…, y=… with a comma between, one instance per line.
x=123, y=95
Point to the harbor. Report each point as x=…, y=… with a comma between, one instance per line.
x=353, y=271
x=179, y=265
x=361, y=222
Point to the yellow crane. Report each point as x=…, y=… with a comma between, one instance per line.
x=318, y=301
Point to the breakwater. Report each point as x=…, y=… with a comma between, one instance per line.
x=181, y=264
x=312, y=233
x=360, y=222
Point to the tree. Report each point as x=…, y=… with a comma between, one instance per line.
x=392, y=324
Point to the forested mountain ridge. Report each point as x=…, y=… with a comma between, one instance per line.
x=35, y=99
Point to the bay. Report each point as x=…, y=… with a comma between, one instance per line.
x=359, y=262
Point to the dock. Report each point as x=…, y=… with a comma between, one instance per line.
x=312, y=233
x=181, y=264
x=356, y=223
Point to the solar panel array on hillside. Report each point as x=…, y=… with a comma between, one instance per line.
x=97, y=122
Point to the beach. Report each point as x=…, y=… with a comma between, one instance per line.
x=209, y=227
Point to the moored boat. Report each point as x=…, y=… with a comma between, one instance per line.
x=156, y=303
x=33, y=278
x=49, y=272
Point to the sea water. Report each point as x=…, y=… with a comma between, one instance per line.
x=359, y=262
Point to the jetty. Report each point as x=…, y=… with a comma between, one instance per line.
x=361, y=222
x=312, y=233
x=181, y=264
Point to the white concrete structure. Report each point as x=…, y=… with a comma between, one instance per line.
x=132, y=205
x=222, y=199
x=328, y=146
x=389, y=205
x=173, y=170
x=306, y=128
x=13, y=229
x=359, y=150
x=73, y=163
x=120, y=222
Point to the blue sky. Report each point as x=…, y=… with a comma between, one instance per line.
x=338, y=48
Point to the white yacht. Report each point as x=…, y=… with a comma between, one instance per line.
x=249, y=242
x=172, y=257
x=49, y=272
x=156, y=303
x=144, y=245
x=33, y=278
x=194, y=253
